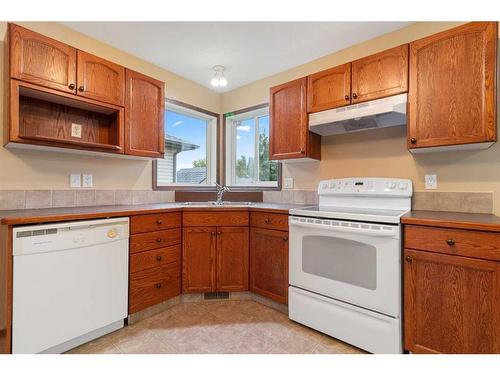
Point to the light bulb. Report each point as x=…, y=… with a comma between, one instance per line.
x=215, y=82
x=222, y=81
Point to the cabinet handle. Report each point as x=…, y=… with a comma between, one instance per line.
x=302, y=151
x=159, y=240
x=409, y=258
x=413, y=140
x=285, y=238
x=219, y=233
x=158, y=258
x=354, y=95
x=212, y=233
x=267, y=221
x=158, y=285
x=159, y=222
x=450, y=242
x=71, y=86
x=81, y=88
x=346, y=97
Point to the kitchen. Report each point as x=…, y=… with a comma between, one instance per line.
x=340, y=202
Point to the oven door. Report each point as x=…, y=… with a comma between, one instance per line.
x=358, y=263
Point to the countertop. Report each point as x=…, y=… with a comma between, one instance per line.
x=46, y=215
x=457, y=220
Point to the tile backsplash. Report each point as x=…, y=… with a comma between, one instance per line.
x=27, y=199
x=291, y=196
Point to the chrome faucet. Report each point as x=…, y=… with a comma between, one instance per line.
x=220, y=193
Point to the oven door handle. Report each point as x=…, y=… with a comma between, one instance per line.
x=363, y=231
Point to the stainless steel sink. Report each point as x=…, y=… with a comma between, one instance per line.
x=215, y=204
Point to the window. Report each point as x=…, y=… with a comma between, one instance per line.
x=190, y=148
x=247, y=150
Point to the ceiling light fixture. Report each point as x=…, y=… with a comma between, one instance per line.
x=219, y=79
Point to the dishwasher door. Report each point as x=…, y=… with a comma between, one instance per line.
x=70, y=283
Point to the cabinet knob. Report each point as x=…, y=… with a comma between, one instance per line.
x=219, y=233
x=158, y=285
x=354, y=95
x=159, y=222
x=158, y=258
x=302, y=151
x=346, y=97
x=413, y=140
x=81, y=88
x=159, y=240
x=267, y=221
x=450, y=242
x=409, y=258
x=71, y=86
x=212, y=233
x=285, y=238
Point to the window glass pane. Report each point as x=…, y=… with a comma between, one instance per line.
x=268, y=169
x=185, y=150
x=245, y=152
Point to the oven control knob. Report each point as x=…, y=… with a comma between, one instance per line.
x=403, y=186
x=324, y=185
x=332, y=185
x=391, y=185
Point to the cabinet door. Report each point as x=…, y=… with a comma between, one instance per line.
x=329, y=89
x=289, y=132
x=100, y=79
x=144, y=115
x=452, y=96
x=198, y=259
x=380, y=75
x=269, y=263
x=232, y=259
x=41, y=60
x=451, y=304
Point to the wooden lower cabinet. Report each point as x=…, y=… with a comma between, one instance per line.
x=269, y=263
x=451, y=303
x=232, y=259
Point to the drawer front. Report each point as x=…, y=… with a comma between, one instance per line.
x=154, y=240
x=154, y=258
x=154, y=222
x=215, y=218
x=269, y=220
x=153, y=286
x=470, y=243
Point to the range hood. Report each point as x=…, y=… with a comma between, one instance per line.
x=380, y=113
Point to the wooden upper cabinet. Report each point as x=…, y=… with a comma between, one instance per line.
x=41, y=60
x=451, y=304
x=198, y=259
x=232, y=259
x=452, y=95
x=289, y=133
x=100, y=79
x=380, y=75
x=144, y=115
x=329, y=89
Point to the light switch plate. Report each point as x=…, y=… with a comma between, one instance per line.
x=431, y=181
x=87, y=181
x=75, y=180
x=76, y=130
x=288, y=183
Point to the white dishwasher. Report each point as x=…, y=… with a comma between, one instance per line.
x=70, y=283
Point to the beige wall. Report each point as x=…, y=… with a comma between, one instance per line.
x=23, y=169
x=379, y=152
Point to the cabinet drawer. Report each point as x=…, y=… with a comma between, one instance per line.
x=153, y=222
x=470, y=243
x=214, y=218
x=154, y=240
x=269, y=220
x=152, y=286
x=155, y=258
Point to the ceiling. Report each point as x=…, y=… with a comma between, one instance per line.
x=249, y=50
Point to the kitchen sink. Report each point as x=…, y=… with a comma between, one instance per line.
x=214, y=204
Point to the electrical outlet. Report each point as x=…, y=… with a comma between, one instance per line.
x=76, y=130
x=75, y=180
x=431, y=181
x=288, y=183
x=87, y=181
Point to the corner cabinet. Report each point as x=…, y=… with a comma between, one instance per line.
x=144, y=115
x=452, y=96
x=290, y=137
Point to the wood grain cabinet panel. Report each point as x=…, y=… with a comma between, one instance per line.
x=269, y=263
x=41, y=60
x=380, y=75
x=215, y=218
x=198, y=259
x=269, y=220
x=155, y=258
x=154, y=240
x=144, y=115
x=155, y=222
x=232, y=259
x=329, y=89
x=289, y=132
x=100, y=79
x=452, y=94
x=451, y=304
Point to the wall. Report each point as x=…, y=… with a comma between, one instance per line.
x=23, y=169
x=380, y=152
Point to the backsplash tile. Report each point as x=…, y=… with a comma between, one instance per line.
x=104, y=197
x=38, y=198
x=141, y=196
x=123, y=197
x=85, y=198
x=469, y=202
x=12, y=199
x=63, y=198
x=291, y=196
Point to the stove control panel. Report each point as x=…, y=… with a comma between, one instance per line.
x=366, y=186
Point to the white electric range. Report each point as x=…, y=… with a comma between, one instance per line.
x=345, y=261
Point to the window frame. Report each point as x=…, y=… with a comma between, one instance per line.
x=213, y=157
x=229, y=162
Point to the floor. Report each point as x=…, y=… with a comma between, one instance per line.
x=239, y=327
